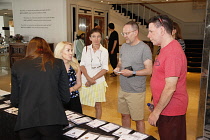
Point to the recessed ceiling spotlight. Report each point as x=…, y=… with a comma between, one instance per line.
x=102, y=1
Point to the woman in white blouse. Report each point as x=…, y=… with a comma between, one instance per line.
x=94, y=64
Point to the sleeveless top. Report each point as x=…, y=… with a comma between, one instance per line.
x=72, y=81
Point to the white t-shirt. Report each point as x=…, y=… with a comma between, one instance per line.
x=94, y=62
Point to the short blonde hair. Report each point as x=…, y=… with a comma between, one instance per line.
x=58, y=54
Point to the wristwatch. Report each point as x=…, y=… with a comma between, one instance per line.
x=134, y=73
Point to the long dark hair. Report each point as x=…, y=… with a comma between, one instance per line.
x=38, y=47
x=178, y=34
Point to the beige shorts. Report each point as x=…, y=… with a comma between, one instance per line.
x=131, y=103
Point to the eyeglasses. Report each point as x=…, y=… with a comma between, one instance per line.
x=127, y=33
x=99, y=59
x=161, y=21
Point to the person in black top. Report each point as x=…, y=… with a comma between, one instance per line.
x=39, y=89
x=113, y=47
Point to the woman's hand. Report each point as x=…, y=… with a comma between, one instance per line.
x=92, y=81
x=72, y=89
x=87, y=84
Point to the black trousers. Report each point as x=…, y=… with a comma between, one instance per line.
x=50, y=132
x=113, y=60
x=74, y=104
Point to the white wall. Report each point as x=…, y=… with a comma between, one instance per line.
x=1, y=25
x=183, y=11
x=87, y=5
x=6, y=4
x=43, y=18
x=119, y=21
x=191, y=21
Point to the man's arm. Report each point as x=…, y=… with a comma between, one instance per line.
x=165, y=98
x=117, y=69
x=114, y=46
x=146, y=71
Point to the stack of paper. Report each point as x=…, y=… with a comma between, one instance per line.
x=82, y=120
x=96, y=123
x=140, y=135
x=75, y=132
x=102, y=137
x=109, y=127
x=73, y=116
x=89, y=136
x=121, y=131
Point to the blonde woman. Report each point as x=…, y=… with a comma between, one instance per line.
x=64, y=51
x=94, y=64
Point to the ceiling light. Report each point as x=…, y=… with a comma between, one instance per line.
x=102, y=1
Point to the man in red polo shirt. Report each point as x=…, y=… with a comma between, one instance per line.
x=168, y=82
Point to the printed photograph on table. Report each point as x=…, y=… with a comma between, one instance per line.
x=89, y=136
x=122, y=131
x=109, y=127
x=96, y=123
x=68, y=112
x=3, y=93
x=129, y=137
x=103, y=137
x=7, y=102
x=75, y=132
x=4, y=106
x=73, y=116
x=12, y=110
x=82, y=120
x=140, y=135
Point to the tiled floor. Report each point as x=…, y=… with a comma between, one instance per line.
x=110, y=106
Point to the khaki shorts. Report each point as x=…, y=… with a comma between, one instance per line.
x=131, y=103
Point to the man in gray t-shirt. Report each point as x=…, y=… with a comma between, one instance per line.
x=135, y=63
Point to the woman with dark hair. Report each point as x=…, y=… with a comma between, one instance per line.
x=177, y=34
x=94, y=64
x=39, y=86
